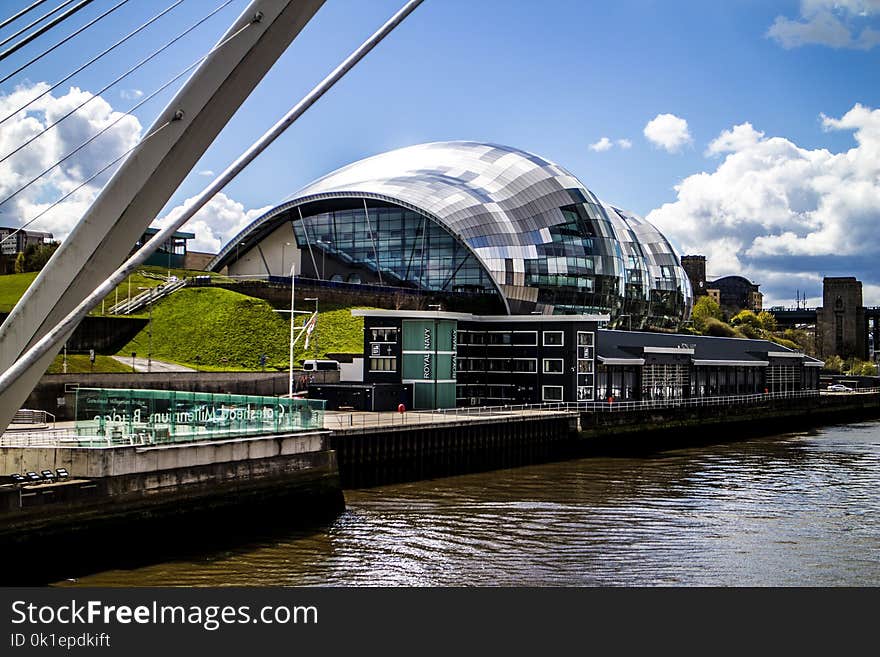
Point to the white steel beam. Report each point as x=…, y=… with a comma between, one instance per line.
x=129, y=202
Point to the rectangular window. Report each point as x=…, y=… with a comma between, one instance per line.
x=525, y=364
x=553, y=338
x=498, y=365
x=585, y=339
x=498, y=337
x=553, y=366
x=383, y=364
x=383, y=334
x=551, y=393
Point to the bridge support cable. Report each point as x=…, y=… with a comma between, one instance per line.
x=42, y=30
x=106, y=128
x=21, y=13
x=85, y=182
x=60, y=43
x=46, y=347
x=116, y=81
x=94, y=59
x=144, y=182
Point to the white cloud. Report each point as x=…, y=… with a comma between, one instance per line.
x=624, y=143
x=781, y=213
x=668, y=132
x=32, y=160
x=603, y=144
x=207, y=173
x=216, y=223
x=736, y=139
x=833, y=23
x=131, y=94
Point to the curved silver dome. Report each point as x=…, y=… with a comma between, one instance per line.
x=546, y=241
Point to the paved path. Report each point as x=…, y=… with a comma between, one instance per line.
x=140, y=365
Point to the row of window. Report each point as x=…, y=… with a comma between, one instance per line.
x=518, y=365
x=507, y=393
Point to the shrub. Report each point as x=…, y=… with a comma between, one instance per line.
x=719, y=329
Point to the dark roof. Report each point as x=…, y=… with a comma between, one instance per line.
x=179, y=234
x=631, y=344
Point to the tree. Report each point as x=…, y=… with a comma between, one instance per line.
x=704, y=309
x=767, y=321
x=37, y=255
x=834, y=363
x=746, y=317
x=19, y=264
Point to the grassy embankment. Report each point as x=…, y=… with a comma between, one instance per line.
x=216, y=329
x=13, y=287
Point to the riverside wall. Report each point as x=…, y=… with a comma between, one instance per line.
x=409, y=452
x=140, y=502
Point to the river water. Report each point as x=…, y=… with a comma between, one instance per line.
x=793, y=509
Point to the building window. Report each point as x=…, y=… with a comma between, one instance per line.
x=585, y=339
x=525, y=364
x=553, y=366
x=383, y=334
x=498, y=337
x=551, y=393
x=383, y=364
x=553, y=338
x=585, y=393
x=498, y=365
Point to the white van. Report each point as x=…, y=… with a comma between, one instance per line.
x=321, y=365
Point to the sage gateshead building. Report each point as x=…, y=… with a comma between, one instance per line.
x=480, y=220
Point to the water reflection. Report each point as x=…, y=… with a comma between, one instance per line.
x=795, y=509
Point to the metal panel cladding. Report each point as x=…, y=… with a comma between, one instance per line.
x=548, y=243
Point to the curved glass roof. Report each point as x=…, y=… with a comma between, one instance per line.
x=545, y=239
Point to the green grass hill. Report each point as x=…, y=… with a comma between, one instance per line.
x=216, y=329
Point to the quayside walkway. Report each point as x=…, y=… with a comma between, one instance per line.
x=344, y=422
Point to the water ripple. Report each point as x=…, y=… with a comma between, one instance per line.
x=796, y=509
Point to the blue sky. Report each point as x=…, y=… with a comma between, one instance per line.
x=554, y=78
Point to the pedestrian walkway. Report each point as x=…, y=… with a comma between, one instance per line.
x=142, y=365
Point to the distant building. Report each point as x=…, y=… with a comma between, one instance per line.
x=172, y=254
x=841, y=324
x=736, y=293
x=21, y=240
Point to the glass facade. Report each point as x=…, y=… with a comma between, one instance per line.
x=398, y=246
x=476, y=217
x=147, y=417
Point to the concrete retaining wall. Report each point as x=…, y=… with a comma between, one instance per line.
x=96, y=462
x=106, y=335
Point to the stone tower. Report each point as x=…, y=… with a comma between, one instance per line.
x=695, y=267
x=841, y=327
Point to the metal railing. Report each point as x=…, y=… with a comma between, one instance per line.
x=29, y=416
x=364, y=420
x=148, y=296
